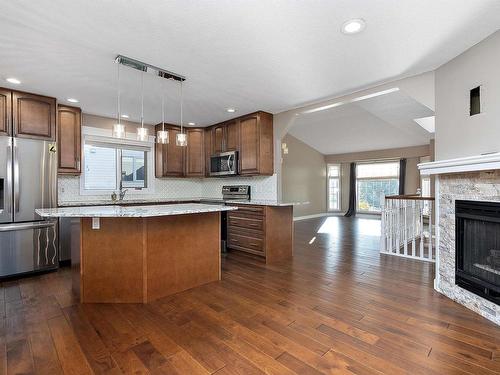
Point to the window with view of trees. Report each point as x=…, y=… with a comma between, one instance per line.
x=334, y=187
x=374, y=180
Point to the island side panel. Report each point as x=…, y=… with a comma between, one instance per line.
x=183, y=252
x=279, y=234
x=112, y=260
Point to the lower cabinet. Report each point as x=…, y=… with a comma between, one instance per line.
x=264, y=231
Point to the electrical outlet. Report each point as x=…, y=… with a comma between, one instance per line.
x=96, y=223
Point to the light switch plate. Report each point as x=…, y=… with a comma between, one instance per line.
x=96, y=223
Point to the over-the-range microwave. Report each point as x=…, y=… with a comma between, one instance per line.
x=224, y=164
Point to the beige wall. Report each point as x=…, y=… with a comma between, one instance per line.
x=457, y=133
x=304, y=177
x=412, y=155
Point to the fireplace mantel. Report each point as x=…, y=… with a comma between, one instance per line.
x=468, y=164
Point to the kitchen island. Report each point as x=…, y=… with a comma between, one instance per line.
x=136, y=254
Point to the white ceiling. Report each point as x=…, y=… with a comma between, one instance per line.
x=377, y=123
x=261, y=54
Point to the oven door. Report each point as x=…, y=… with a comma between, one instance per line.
x=224, y=164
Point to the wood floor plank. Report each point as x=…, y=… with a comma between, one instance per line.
x=19, y=357
x=339, y=307
x=70, y=354
x=98, y=356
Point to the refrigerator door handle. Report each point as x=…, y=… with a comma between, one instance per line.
x=8, y=187
x=16, y=177
x=24, y=226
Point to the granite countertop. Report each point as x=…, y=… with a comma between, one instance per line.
x=265, y=202
x=157, y=201
x=132, y=211
x=130, y=201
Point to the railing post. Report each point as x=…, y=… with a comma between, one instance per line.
x=383, y=234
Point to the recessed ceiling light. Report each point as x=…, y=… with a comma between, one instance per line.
x=353, y=26
x=125, y=116
x=231, y=110
x=73, y=100
x=13, y=80
x=191, y=123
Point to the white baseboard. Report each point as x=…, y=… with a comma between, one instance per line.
x=298, y=218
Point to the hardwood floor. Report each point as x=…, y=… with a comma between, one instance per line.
x=338, y=307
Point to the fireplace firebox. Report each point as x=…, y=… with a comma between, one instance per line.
x=477, y=248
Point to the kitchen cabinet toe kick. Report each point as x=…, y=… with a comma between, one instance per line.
x=138, y=260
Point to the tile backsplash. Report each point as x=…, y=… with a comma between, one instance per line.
x=262, y=187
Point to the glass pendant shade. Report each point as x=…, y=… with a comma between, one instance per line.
x=119, y=131
x=162, y=137
x=142, y=134
x=181, y=139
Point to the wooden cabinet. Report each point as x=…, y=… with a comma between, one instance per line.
x=69, y=127
x=195, y=153
x=170, y=157
x=5, y=111
x=208, y=150
x=232, y=137
x=250, y=135
x=265, y=231
x=33, y=116
x=176, y=161
x=256, y=148
x=218, y=138
x=226, y=137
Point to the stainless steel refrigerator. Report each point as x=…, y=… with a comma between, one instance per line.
x=28, y=180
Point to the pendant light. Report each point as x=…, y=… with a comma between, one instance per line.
x=181, y=138
x=118, y=128
x=142, y=132
x=162, y=135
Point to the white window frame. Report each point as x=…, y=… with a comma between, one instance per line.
x=372, y=178
x=328, y=187
x=90, y=134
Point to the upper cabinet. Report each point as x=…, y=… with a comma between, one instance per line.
x=232, y=135
x=195, y=153
x=250, y=135
x=226, y=137
x=33, y=116
x=177, y=161
x=218, y=138
x=69, y=127
x=256, y=149
x=169, y=157
x=5, y=111
x=208, y=149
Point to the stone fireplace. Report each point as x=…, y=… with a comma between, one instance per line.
x=468, y=219
x=477, y=248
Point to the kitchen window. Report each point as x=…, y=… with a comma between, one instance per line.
x=334, y=187
x=374, y=180
x=110, y=163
